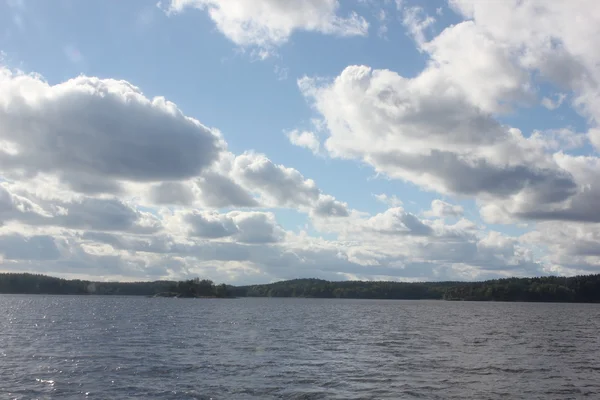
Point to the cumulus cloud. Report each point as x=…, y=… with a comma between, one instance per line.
x=269, y=23
x=97, y=133
x=280, y=186
x=426, y=131
x=277, y=184
x=244, y=227
x=104, y=137
x=328, y=206
x=542, y=37
x=439, y=129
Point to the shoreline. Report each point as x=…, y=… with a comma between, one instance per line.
x=548, y=289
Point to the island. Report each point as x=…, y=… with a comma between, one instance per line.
x=581, y=289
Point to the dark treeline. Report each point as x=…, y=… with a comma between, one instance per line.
x=580, y=289
x=11, y=283
x=575, y=289
x=345, y=289
x=547, y=289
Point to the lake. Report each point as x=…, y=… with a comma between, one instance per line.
x=60, y=347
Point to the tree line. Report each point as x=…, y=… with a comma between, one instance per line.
x=15, y=283
x=585, y=288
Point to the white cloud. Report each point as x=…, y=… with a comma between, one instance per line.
x=305, y=139
x=96, y=136
x=479, y=68
x=553, y=104
x=543, y=37
x=567, y=248
x=250, y=180
x=396, y=221
x=416, y=23
x=242, y=247
x=392, y=200
x=277, y=184
x=559, y=139
x=439, y=130
x=427, y=130
x=328, y=206
x=443, y=209
x=382, y=18
x=281, y=72
x=269, y=23
x=280, y=186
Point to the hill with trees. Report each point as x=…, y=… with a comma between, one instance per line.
x=11, y=283
x=542, y=289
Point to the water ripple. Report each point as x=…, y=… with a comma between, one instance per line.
x=54, y=347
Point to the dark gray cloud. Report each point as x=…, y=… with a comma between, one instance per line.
x=583, y=207
x=210, y=225
x=103, y=215
x=244, y=227
x=474, y=177
x=176, y=193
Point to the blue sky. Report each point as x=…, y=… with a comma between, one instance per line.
x=418, y=102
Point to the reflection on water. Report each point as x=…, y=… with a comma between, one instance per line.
x=55, y=347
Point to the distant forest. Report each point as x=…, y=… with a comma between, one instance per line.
x=585, y=289
x=11, y=283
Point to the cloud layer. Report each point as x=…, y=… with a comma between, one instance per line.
x=98, y=180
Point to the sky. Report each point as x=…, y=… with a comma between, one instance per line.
x=254, y=141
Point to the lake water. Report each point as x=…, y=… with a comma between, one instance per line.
x=59, y=347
